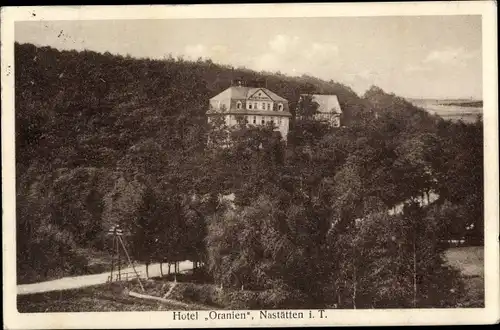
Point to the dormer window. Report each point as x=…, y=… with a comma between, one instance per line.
x=238, y=105
x=280, y=107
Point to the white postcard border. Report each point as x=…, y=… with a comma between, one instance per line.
x=489, y=314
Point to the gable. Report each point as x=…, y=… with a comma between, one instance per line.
x=260, y=95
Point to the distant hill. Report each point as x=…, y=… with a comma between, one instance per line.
x=472, y=104
x=453, y=109
x=442, y=100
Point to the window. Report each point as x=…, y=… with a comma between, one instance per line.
x=279, y=120
x=238, y=105
x=263, y=121
x=254, y=119
x=280, y=107
x=255, y=106
x=250, y=106
x=269, y=106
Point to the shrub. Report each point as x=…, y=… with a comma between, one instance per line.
x=206, y=294
x=241, y=300
x=280, y=298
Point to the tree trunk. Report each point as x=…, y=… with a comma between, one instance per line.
x=161, y=269
x=354, y=287
x=169, y=265
x=354, y=279
x=414, y=273
x=147, y=270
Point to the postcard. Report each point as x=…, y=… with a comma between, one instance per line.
x=250, y=165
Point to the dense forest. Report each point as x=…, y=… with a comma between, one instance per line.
x=104, y=139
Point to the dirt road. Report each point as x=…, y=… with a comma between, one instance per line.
x=82, y=281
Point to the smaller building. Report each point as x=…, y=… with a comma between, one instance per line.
x=327, y=108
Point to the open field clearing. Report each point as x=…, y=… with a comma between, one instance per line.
x=470, y=261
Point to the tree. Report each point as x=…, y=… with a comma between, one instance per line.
x=144, y=229
x=264, y=246
x=392, y=261
x=307, y=107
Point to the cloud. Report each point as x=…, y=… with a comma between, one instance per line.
x=196, y=51
x=417, y=68
x=285, y=53
x=321, y=50
x=292, y=55
x=454, y=56
x=215, y=52
x=281, y=44
x=457, y=57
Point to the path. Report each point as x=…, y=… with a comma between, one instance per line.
x=75, y=282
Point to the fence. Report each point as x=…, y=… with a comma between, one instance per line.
x=123, y=276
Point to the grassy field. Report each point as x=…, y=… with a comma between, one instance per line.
x=470, y=262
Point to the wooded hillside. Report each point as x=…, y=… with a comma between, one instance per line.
x=102, y=139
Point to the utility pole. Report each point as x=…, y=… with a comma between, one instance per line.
x=119, y=264
x=130, y=262
x=112, y=258
x=117, y=233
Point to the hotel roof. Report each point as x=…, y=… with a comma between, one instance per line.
x=326, y=103
x=243, y=92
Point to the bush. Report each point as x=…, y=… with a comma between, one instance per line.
x=241, y=300
x=280, y=299
x=206, y=294
x=47, y=253
x=209, y=294
x=152, y=287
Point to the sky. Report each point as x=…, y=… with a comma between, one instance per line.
x=411, y=56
